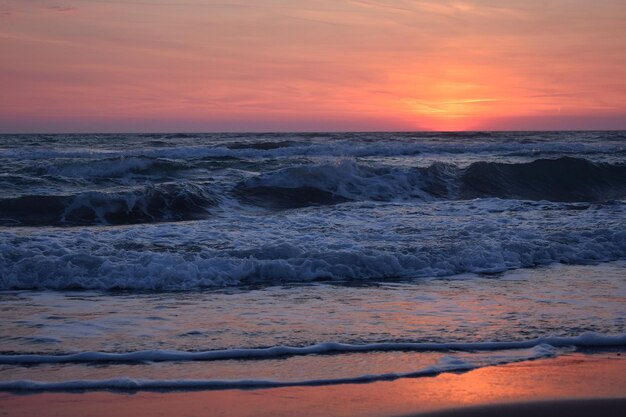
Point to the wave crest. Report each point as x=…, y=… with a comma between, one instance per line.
x=561, y=180
x=155, y=203
x=564, y=179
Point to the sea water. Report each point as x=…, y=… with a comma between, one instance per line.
x=212, y=261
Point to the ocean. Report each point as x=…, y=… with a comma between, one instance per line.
x=217, y=261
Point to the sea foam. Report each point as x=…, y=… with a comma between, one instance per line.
x=588, y=340
x=445, y=364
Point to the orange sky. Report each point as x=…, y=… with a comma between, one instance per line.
x=258, y=65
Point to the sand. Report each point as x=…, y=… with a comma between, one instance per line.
x=573, y=385
x=594, y=407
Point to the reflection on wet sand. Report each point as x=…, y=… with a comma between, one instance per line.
x=601, y=375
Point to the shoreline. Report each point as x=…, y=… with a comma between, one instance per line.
x=575, y=381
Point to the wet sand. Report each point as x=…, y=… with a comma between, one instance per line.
x=522, y=389
x=595, y=407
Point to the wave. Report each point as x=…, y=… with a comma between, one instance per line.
x=586, y=340
x=263, y=146
x=155, y=203
x=445, y=364
x=347, y=181
x=558, y=180
x=108, y=168
x=117, y=260
x=322, y=145
x=127, y=384
x=561, y=180
x=288, y=197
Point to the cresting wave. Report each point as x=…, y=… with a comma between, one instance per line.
x=586, y=340
x=563, y=180
x=155, y=203
x=560, y=180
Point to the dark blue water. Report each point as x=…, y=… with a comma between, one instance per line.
x=190, y=211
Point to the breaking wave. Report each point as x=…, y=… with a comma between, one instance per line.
x=155, y=203
x=561, y=180
x=103, y=261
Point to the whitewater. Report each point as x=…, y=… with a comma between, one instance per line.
x=172, y=260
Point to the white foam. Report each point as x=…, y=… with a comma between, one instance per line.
x=543, y=344
x=357, y=241
x=355, y=181
x=127, y=384
x=446, y=364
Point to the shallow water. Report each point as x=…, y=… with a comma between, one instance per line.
x=560, y=300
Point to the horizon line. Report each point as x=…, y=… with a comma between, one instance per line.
x=217, y=132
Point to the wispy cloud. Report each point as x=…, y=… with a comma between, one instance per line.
x=473, y=100
x=36, y=39
x=173, y=3
x=62, y=9
x=446, y=8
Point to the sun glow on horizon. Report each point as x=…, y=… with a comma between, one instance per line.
x=272, y=65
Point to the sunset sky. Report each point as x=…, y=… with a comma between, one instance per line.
x=295, y=65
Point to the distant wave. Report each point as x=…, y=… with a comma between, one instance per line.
x=587, y=340
x=330, y=145
x=263, y=146
x=112, y=167
x=157, y=203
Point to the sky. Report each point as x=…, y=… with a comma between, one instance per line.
x=316, y=65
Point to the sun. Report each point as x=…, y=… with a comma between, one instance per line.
x=448, y=115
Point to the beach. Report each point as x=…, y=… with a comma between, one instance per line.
x=572, y=385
